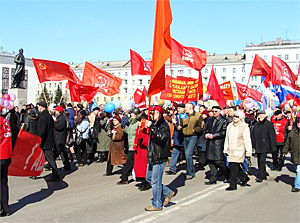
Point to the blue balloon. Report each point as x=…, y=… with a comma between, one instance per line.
x=109, y=107
x=117, y=103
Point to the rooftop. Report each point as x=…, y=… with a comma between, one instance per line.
x=277, y=42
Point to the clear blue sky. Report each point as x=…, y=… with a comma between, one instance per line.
x=78, y=31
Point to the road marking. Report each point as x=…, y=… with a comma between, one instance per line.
x=203, y=194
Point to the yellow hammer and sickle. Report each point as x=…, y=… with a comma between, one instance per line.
x=42, y=66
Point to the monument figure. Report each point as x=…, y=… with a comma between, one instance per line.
x=19, y=74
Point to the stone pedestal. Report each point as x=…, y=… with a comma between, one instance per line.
x=21, y=96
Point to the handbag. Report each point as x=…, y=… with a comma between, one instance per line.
x=79, y=138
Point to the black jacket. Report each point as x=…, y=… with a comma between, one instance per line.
x=60, y=130
x=263, y=137
x=215, y=146
x=31, y=124
x=45, y=130
x=159, y=142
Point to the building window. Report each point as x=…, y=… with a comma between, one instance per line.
x=233, y=70
x=234, y=89
x=190, y=71
x=112, y=98
x=126, y=74
x=279, y=56
x=297, y=56
x=223, y=79
x=125, y=81
x=140, y=81
x=206, y=71
x=119, y=98
x=55, y=85
x=286, y=57
x=205, y=79
x=104, y=99
x=133, y=82
x=156, y=98
x=49, y=85
x=125, y=89
x=224, y=70
x=297, y=67
x=234, y=79
x=243, y=79
x=265, y=57
x=215, y=70
x=97, y=99
x=148, y=81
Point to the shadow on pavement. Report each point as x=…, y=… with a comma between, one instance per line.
x=38, y=196
x=285, y=179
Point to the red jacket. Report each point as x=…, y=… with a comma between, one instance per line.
x=5, y=139
x=279, y=126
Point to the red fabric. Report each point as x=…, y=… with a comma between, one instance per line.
x=161, y=46
x=251, y=93
x=140, y=98
x=107, y=83
x=28, y=158
x=296, y=101
x=139, y=65
x=260, y=67
x=200, y=86
x=279, y=126
x=140, y=156
x=188, y=56
x=48, y=70
x=80, y=92
x=227, y=90
x=281, y=73
x=5, y=139
x=214, y=89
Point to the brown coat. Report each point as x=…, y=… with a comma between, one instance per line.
x=116, y=147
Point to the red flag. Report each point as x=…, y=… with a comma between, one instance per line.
x=139, y=65
x=188, y=56
x=161, y=46
x=28, y=158
x=260, y=67
x=48, y=70
x=80, y=92
x=227, y=90
x=106, y=83
x=214, y=89
x=281, y=73
x=243, y=92
x=140, y=98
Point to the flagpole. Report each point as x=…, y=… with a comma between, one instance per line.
x=172, y=93
x=296, y=86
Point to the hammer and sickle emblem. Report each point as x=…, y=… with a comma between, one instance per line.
x=42, y=66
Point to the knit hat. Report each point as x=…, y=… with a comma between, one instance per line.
x=278, y=112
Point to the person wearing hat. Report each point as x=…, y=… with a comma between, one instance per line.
x=215, y=133
x=31, y=123
x=116, y=155
x=130, y=130
x=60, y=137
x=292, y=145
x=281, y=128
x=263, y=139
x=158, y=152
x=237, y=146
x=45, y=130
x=83, y=131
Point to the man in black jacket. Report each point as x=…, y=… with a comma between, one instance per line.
x=45, y=130
x=60, y=137
x=215, y=133
x=263, y=139
x=158, y=152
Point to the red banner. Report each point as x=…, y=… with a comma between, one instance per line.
x=180, y=89
x=140, y=98
x=139, y=65
x=80, y=92
x=227, y=90
x=251, y=93
x=28, y=158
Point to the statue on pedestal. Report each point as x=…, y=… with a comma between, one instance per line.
x=19, y=74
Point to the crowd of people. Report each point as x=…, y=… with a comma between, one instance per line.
x=222, y=138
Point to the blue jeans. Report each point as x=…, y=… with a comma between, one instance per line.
x=297, y=179
x=189, y=146
x=245, y=165
x=154, y=178
x=175, y=154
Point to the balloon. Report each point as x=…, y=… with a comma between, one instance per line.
x=6, y=97
x=109, y=107
x=117, y=103
x=5, y=103
x=205, y=97
x=11, y=103
x=1, y=108
x=9, y=107
x=160, y=102
x=248, y=105
x=1, y=101
x=231, y=103
x=127, y=105
x=13, y=97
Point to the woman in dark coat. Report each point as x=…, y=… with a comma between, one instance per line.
x=292, y=145
x=116, y=155
x=31, y=123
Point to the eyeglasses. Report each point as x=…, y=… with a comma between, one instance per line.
x=215, y=111
x=235, y=116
